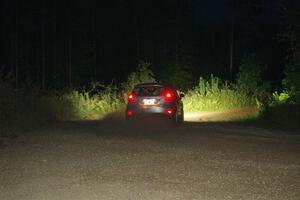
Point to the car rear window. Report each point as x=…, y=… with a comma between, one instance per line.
x=149, y=91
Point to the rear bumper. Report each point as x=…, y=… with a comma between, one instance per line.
x=150, y=110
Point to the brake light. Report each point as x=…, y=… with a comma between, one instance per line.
x=131, y=97
x=169, y=111
x=169, y=95
x=129, y=113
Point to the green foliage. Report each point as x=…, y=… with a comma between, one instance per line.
x=291, y=82
x=145, y=75
x=21, y=105
x=28, y=104
x=283, y=97
x=290, y=10
x=83, y=105
x=178, y=75
x=249, y=78
x=7, y=96
x=215, y=94
x=283, y=115
x=284, y=108
x=142, y=75
x=18, y=105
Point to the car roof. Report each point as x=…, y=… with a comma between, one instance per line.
x=155, y=84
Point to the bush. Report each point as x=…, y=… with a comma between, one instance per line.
x=280, y=98
x=82, y=105
x=283, y=115
x=179, y=76
x=215, y=94
x=22, y=105
x=249, y=78
x=284, y=108
x=18, y=105
x=29, y=104
x=142, y=75
x=7, y=97
x=291, y=82
x=283, y=111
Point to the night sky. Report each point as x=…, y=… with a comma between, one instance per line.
x=210, y=11
x=221, y=10
x=63, y=42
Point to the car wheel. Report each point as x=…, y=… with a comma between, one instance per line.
x=180, y=120
x=182, y=116
x=128, y=119
x=177, y=119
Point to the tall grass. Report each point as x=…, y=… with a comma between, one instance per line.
x=74, y=104
x=31, y=104
x=283, y=115
x=215, y=94
x=282, y=111
x=83, y=105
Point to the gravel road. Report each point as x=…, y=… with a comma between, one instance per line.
x=110, y=159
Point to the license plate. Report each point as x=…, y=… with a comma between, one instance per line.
x=148, y=101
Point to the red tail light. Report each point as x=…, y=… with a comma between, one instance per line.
x=169, y=111
x=131, y=97
x=169, y=95
x=129, y=113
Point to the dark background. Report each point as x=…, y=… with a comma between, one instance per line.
x=56, y=44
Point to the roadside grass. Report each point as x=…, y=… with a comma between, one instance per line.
x=31, y=105
x=282, y=116
x=215, y=94
x=75, y=105
x=26, y=105
x=232, y=115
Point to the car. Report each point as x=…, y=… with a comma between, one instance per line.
x=155, y=99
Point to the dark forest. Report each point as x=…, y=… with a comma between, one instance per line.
x=71, y=43
x=248, y=48
x=150, y=99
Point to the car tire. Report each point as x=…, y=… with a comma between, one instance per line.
x=180, y=119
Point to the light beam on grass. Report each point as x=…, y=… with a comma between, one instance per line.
x=225, y=115
x=214, y=95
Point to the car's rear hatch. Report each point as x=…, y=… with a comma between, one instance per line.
x=148, y=96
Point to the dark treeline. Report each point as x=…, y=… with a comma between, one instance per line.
x=61, y=43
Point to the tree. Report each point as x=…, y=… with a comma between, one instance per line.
x=143, y=74
x=291, y=14
x=243, y=13
x=17, y=45
x=43, y=45
x=249, y=78
x=178, y=75
x=291, y=82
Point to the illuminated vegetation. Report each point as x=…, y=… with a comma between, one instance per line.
x=83, y=105
x=29, y=104
x=215, y=94
x=98, y=100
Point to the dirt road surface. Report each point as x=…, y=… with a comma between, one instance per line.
x=111, y=159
